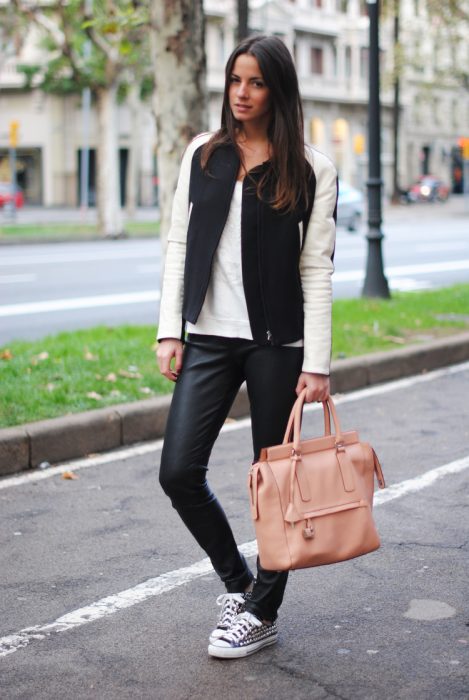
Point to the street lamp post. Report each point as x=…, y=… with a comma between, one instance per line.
x=376, y=284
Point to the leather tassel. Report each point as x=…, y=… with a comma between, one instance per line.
x=292, y=515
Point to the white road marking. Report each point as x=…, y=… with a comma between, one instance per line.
x=407, y=284
x=85, y=463
x=78, y=256
x=123, y=453
x=441, y=247
x=179, y=577
x=14, y=279
x=40, y=307
x=405, y=270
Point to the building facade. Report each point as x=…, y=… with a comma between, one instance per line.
x=329, y=42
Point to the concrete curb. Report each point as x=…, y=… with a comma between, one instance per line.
x=70, y=437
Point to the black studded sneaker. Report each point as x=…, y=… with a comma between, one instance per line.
x=246, y=635
x=231, y=605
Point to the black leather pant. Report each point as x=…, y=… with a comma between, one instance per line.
x=213, y=370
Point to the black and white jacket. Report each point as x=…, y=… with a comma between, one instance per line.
x=287, y=259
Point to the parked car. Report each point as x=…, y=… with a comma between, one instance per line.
x=6, y=196
x=349, y=206
x=428, y=189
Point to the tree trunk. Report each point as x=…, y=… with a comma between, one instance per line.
x=243, y=19
x=133, y=162
x=109, y=198
x=180, y=105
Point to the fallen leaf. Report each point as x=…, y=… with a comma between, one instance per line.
x=146, y=390
x=132, y=368
x=50, y=386
x=394, y=339
x=69, y=475
x=111, y=377
x=115, y=392
x=39, y=358
x=89, y=356
x=129, y=375
x=98, y=376
x=6, y=354
x=94, y=395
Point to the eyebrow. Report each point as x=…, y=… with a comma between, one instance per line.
x=255, y=77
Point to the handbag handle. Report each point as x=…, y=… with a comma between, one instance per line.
x=288, y=437
x=297, y=413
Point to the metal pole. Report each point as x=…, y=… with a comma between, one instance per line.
x=376, y=284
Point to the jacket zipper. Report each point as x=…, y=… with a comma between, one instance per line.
x=269, y=335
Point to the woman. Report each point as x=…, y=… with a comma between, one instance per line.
x=248, y=276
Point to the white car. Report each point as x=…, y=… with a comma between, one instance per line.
x=349, y=206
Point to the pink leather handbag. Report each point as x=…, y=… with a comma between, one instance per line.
x=311, y=500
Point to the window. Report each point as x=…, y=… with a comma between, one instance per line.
x=348, y=61
x=334, y=60
x=342, y=6
x=316, y=60
x=221, y=45
x=364, y=61
x=316, y=3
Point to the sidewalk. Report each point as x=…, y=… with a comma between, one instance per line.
x=70, y=437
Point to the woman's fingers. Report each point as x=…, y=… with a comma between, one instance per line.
x=317, y=386
x=167, y=350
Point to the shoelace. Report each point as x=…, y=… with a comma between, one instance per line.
x=231, y=603
x=244, y=623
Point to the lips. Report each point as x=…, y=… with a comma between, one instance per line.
x=242, y=106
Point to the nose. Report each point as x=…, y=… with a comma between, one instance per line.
x=242, y=89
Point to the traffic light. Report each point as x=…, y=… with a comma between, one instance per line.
x=13, y=137
x=464, y=143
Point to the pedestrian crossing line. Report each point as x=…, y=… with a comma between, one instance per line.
x=138, y=450
x=179, y=577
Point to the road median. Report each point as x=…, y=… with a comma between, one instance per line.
x=73, y=436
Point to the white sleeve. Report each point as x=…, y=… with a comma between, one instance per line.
x=170, y=321
x=316, y=268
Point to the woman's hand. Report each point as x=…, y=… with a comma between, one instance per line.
x=317, y=386
x=168, y=349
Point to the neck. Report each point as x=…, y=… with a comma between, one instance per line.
x=254, y=133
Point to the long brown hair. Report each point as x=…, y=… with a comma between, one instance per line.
x=285, y=132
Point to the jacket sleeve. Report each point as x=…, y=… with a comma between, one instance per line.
x=170, y=320
x=316, y=267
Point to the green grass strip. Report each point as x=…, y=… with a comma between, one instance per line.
x=73, y=230
x=101, y=366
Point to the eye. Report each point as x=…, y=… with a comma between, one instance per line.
x=234, y=79
x=259, y=84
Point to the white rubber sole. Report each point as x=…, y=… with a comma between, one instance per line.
x=239, y=652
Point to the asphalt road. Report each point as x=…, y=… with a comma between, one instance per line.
x=391, y=625
x=45, y=288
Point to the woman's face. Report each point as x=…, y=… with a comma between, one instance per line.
x=248, y=94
